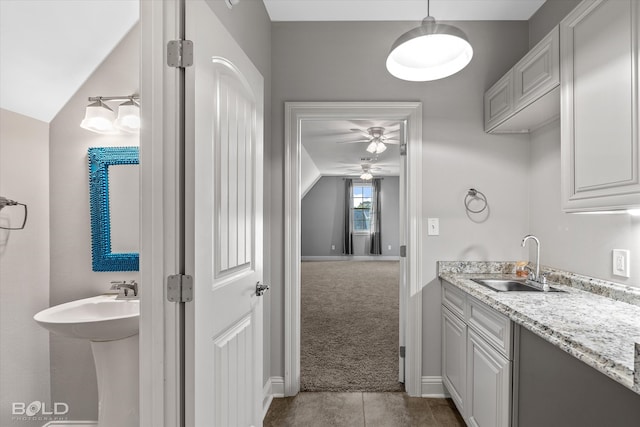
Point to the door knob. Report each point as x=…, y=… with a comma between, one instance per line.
x=261, y=289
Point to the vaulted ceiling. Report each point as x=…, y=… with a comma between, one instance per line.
x=48, y=48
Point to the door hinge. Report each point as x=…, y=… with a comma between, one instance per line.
x=403, y=351
x=180, y=288
x=403, y=251
x=180, y=53
x=403, y=149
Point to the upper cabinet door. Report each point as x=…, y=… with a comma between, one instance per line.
x=527, y=97
x=498, y=102
x=599, y=92
x=538, y=72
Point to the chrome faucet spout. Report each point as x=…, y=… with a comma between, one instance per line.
x=535, y=276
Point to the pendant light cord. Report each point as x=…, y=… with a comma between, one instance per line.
x=428, y=7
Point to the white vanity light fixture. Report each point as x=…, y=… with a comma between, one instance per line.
x=98, y=117
x=101, y=118
x=429, y=52
x=128, y=116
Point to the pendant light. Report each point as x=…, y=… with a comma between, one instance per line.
x=431, y=51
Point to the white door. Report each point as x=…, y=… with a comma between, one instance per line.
x=224, y=127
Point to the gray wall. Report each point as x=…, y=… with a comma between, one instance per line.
x=322, y=214
x=557, y=390
x=73, y=377
x=578, y=243
x=24, y=264
x=344, y=61
x=547, y=17
x=250, y=25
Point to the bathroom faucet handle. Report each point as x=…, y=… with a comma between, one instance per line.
x=115, y=284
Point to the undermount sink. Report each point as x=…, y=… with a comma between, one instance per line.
x=101, y=318
x=510, y=285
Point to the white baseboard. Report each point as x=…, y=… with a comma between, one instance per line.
x=351, y=258
x=274, y=387
x=433, y=387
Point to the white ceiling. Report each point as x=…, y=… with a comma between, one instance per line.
x=401, y=10
x=48, y=48
x=321, y=140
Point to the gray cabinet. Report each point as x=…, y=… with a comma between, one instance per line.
x=599, y=92
x=477, y=352
x=454, y=363
x=488, y=384
x=527, y=97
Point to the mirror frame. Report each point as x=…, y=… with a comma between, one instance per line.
x=100, y=158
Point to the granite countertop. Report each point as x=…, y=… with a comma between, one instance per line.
x=599, y=330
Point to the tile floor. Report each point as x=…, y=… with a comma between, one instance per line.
x=361, y=409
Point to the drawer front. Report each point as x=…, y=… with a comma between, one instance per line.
x=494, y=327
x=454, y=299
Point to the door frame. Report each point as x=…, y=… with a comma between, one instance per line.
x=295, y=114
x=160, y=216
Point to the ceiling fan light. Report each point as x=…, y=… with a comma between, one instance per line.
x=98, y=117
x=128, y=117
x=366, y=176
x=380, y=148
x=373, y=147
x=429, y=52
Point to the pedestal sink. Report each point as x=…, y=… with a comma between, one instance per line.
x=111, y=325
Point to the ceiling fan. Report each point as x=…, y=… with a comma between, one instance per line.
x=375, y=137
x=366, y=168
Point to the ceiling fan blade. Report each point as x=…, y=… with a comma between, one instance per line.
x=361, y=131
x=391, y=142
x=353, y=142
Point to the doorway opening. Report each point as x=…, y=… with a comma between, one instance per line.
x=409, y=117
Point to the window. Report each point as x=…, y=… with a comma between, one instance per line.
x=362, y=200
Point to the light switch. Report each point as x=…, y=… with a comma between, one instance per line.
x=433, y=226
x=620, y=261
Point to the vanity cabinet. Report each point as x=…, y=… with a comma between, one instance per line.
x=527, y=96
x=599, y=93
x=477, y=358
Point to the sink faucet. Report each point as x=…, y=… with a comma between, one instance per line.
x=125, y=287
x=535, y=277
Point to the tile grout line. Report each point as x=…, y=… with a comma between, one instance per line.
x=364, y=416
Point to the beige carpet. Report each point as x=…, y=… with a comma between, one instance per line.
x=349, y=326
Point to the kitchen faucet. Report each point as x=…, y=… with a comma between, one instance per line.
x=535, y=278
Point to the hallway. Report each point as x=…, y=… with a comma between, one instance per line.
x=361, y=409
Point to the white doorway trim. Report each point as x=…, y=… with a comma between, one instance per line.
x=295, y=114
x=160, y=348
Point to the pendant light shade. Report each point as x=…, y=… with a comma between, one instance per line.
x=431, y=51
x=98, y=117
x=128, y=116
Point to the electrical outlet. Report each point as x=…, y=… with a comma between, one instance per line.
x=389, y=247
x=433, y=226
x=620, y=262
x=333, y=247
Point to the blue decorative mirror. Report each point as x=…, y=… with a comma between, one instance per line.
x=114, y=218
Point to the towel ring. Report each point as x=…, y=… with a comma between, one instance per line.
x=475, y=194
